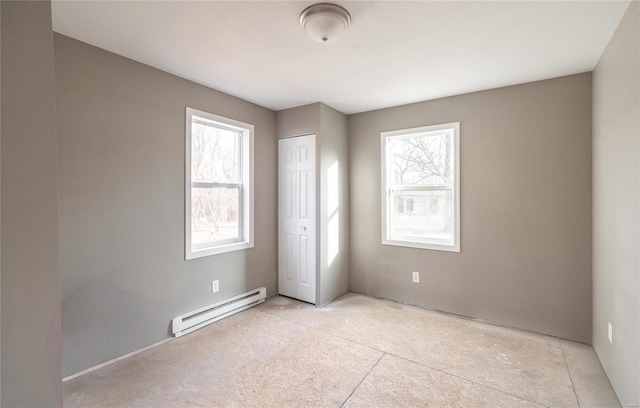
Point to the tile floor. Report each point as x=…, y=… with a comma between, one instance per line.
x=357, y=351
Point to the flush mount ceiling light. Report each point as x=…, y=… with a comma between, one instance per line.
x=324, y=22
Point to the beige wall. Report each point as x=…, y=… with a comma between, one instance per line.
x=525, y=257
x=330, y=127
x=616, y=204
x=121, y=142
x=30, y=260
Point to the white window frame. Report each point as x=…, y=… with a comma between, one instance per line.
x=386, y=188
x=245, y=213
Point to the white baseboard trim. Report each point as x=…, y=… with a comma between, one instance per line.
x=122, y=357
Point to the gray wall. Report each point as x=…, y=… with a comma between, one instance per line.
x=121, y=144
x=334, y=222
x=330, y=127
x=31, y=340
x=525, y=257
x=616, y=203
x=299, y=121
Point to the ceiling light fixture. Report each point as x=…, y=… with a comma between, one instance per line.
x=324, y=22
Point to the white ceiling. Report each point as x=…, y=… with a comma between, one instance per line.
x=394, y=52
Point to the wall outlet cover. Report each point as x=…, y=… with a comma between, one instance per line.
x=416, y=277
x=610, y=333
x=215, y=286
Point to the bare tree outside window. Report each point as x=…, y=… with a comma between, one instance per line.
x=423, y=160
x=216, y=182
x=420, y=185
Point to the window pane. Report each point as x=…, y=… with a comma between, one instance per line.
x=422, y=160
x=215, y=154
x=214, y=215
x=421, y=215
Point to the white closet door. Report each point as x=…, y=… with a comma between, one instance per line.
x=297, y=222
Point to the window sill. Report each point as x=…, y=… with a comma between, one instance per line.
x=220, y=249
x=423, y=245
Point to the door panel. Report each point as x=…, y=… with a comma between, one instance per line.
x=289, y=255
x=302, y=196
x=297, y=223
x=303, y=255
x=288, y=201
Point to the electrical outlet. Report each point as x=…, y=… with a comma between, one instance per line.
x=416, y=277
x=215, y=286
x=610, y=333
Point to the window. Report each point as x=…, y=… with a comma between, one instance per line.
x=421, y=187
x=219, y=185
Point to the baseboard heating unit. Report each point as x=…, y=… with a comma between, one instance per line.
x=199, y=318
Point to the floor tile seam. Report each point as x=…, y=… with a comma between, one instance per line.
x=363, y=378
x=566, y=364
x=327, y=332
x=407, y=359
x=536, y=335
x=606, y=376
x=469, y=380
x=404, y=358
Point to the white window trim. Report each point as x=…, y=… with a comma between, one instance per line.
x=246, y=189
x=384, y=137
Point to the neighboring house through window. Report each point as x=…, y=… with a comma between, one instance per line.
x=219, y=185
x=421, y=187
